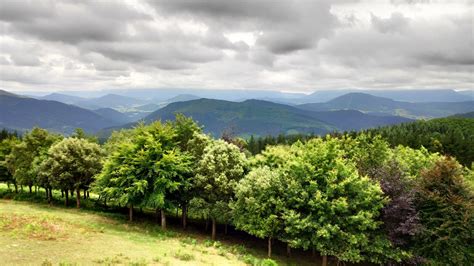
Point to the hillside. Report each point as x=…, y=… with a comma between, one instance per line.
x=346, y=120
x=249, y=117
x=451, y=135
x=256, y=117
x=113, y=115
x=22, y=114
x=378, y=105
x=415, y=96
x=64, y=98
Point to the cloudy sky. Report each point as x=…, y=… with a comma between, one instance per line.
x=298, y=46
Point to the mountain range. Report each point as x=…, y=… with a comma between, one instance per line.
x=259, y=117
x=384, y=106
x=351, y=111
x=23, y=113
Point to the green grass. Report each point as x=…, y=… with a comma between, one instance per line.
x=35, y=233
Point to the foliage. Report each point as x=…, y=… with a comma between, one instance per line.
x=452, y=136
x=218, y=172
x=260, y=203
x=334, y=209
x=72, y=164
x=446, y=206
x=26, y=156
x=146, y=168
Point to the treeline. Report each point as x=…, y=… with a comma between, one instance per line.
x=354, y=198
x=453, y=136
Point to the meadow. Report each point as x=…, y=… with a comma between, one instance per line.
x=33, y=232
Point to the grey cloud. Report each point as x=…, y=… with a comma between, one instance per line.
x=25, y=60
x=287, y=26
x=68, y=21
x=395, y=23
x=410, y=2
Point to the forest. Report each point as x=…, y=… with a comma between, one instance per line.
x=393, y=195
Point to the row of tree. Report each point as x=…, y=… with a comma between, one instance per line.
x=355, y=198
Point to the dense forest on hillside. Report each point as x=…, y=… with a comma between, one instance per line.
x=350, y=197
x=452, y=136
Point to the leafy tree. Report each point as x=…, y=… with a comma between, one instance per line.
x=260, y=204
x=6, y=146
x=446, y=206
x=26, y=156
x=79, y=133
x=334, y=209
x=72, y=164
x=188, y=137
x=121, y=178
x=400, y=217
x=218, y=172
x=146, y=169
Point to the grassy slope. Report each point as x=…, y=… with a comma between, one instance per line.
x=33, y=233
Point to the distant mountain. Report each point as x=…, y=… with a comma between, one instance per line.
x=183, y=98
x=113, y=115
x=21, y=113
x=383, y=106
x=465, y=115
x=256, y=117
x=244, y=118
x=347, y=120
x=64, y=98
x=114, y=101
x=111, y=101
x=6, y=93
x=415, y=96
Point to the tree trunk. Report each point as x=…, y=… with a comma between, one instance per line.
x=78, y=198
x=85, y=194
x=269, y=247
x=225, y=229
x=177, y=212
x=325, y=261
x=213, y=235
x=130, y=213
x=62, y=193
x=30, y=188
x=16, y=188
x=47, y=193
x=184, y=216
x=50, y=195
x=288, y=250
x=72, y=193
x=88, y=195
x=158, y=215
x=66, y=200
x=163, y=219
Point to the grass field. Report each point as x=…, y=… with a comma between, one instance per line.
x=39, y=234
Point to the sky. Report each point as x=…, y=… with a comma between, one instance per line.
x=291, y=46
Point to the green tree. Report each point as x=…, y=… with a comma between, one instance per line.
x=188, y=138
x=446, y=206
x=72, y=164
x=26, y=156
x=6, y=146
x=218, y=172
x=334, y=210
x=260, y=204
